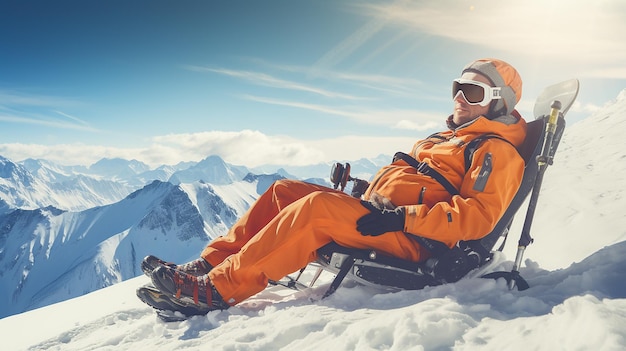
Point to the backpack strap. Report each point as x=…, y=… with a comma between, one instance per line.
x=473, y=145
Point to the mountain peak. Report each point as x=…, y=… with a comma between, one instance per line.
x=13, y=171
x=212, y=170
x=118, y=167
x=213, y=159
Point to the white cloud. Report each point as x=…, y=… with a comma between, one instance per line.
x=248, y=148
x=353, y=147
x=586, y=109
x=66, y=154
x=411, y=125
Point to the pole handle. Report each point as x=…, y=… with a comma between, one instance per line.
x=555, y=108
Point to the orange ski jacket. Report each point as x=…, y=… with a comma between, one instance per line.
x=485, y=190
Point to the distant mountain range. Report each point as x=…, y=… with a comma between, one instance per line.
x=32, y=184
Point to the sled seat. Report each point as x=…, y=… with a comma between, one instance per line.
x=446, y=265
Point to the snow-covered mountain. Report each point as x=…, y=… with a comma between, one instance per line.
x=51, y=172
x=49, y=255
x=36, y=184
x=118, y=168
x=580, y=218
x=32, y=184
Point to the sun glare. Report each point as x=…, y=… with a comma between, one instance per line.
x=573, y=30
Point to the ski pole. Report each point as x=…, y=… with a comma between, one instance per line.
x=543, y=161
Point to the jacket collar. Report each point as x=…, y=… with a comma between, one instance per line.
x=510, y=127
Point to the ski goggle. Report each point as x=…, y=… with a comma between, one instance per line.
x=475, y=93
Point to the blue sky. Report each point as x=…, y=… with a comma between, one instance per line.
x=288, y=82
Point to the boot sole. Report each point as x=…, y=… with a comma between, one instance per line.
x=161, y=301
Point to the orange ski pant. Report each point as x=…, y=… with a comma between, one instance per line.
x=281, y=232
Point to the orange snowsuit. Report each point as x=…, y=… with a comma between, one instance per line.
x=283, y=229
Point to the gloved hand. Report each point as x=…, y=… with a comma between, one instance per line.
x=378, y=222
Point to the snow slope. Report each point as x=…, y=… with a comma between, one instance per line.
x=582, y=307
x=580, y=218
x=583, y=201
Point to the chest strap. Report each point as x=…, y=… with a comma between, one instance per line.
x=425, y=169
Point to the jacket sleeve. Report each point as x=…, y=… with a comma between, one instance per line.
x=486, y=191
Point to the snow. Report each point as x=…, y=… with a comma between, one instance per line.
x=581, y=307
x=576, y=270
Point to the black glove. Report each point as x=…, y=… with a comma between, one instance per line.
x=379, y=222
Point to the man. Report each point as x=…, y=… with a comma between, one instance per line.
x=426, y=193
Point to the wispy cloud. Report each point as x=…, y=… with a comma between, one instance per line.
x=274, y=82
x=40, y=110
x=308, y=106
x=398, y=86
x=54, y=123
x=72, y=118
x=13, y=98
x=393, y=118
x=393, y=86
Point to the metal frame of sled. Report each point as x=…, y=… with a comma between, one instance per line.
x=369, y=267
